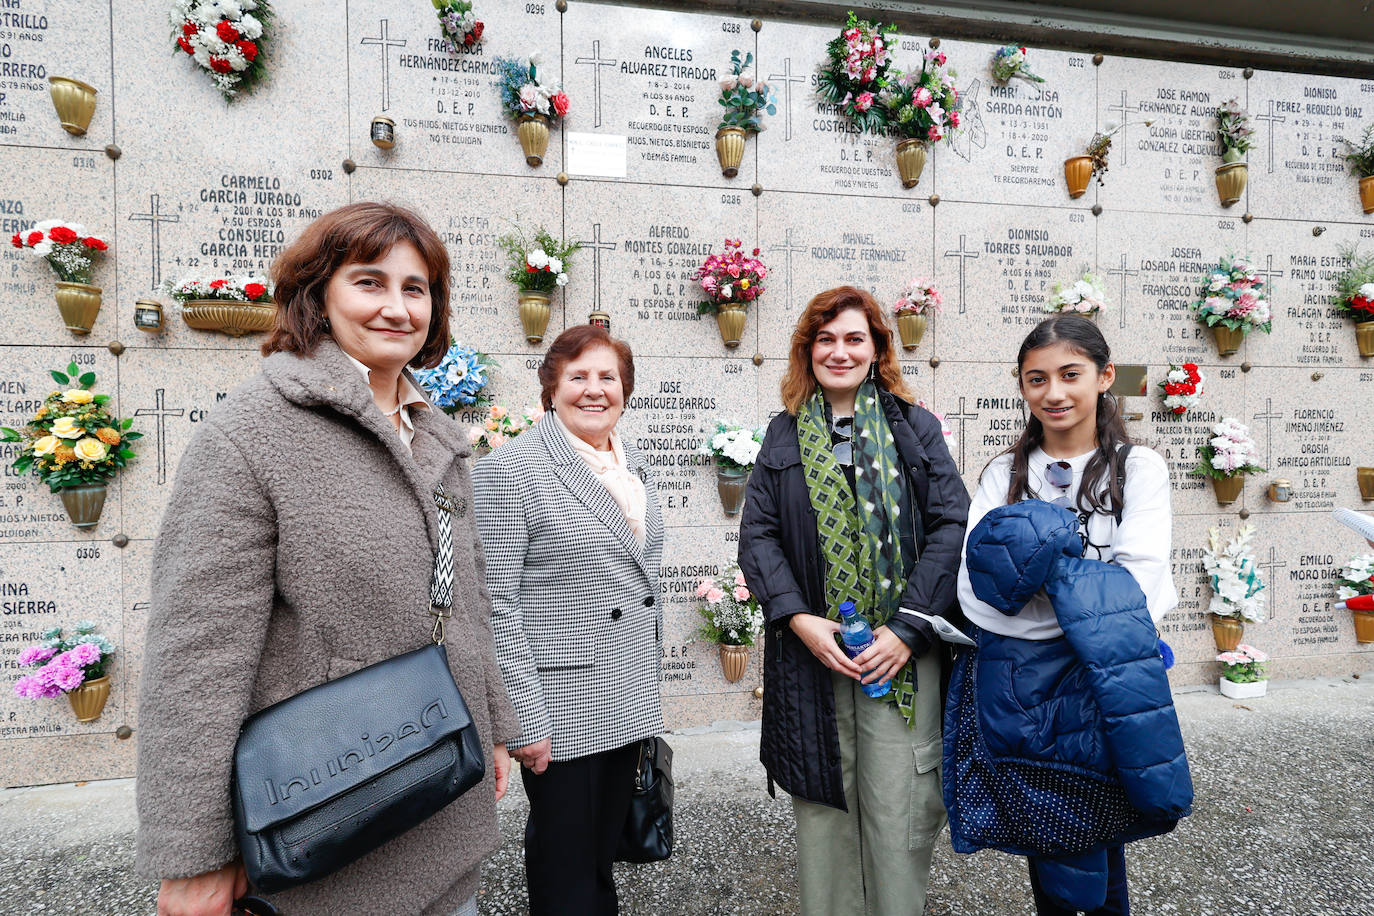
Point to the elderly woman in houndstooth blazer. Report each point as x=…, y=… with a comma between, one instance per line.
x=572, y=533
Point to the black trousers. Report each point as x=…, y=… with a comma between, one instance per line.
x=577, y=812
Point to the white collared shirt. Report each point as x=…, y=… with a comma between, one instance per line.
x=408, y=397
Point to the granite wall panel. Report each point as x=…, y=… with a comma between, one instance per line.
x=205, y=186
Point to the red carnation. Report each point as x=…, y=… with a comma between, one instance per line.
x=1179, y=409
x=17, y=241
x=467, y=40
x=218, y=284
x=560, y=103
x=226, y=32
x=247, y=49
x=94, y=243
x=62, y=235
x=185, y=46
x=477, y=32
x=35, y=238
x=253, y=290
x=189, y=28
x=220, y=65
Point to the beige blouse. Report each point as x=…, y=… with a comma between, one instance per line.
x=610, y=468
x=408, y=398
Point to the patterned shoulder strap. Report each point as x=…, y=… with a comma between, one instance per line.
x=441, y=584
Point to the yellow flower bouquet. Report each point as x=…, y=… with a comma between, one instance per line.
x=73, y=440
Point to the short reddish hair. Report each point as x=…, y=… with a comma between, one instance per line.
x=799, y=382
x=359, y=233
x=571, y=344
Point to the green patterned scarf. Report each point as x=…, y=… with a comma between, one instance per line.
x=859, y=536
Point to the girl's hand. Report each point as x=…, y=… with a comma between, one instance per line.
x=210, y=894
x=818, y=634
x=500, y=762
x=884, y=658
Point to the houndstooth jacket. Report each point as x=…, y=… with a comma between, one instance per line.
x=575, y=604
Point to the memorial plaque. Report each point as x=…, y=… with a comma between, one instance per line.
x=1153, y=265
x=691, y=665
x=227, y=189
x=28, y=285
x=812, y=243
x=995, y=267
x=1187, y=628
x=168, y=406
x=1177, y=438
x=675, y=403
x=31, y=513
x=1013, y=138
x=984, y=409
x=640, y=246
x=1306, y=431
x=1296, y=169
x=484, y=311
x=1308, y=329
x=443, y=99
x=45, y=38
x=1169, y=165
x=653, y=77
x=809, y=145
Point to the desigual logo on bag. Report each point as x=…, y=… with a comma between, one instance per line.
x=431, y=715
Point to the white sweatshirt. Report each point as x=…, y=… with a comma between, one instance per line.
x=1139, y=544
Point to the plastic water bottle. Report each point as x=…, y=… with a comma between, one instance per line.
x=857, y=636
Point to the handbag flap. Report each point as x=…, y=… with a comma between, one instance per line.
x=330, y=739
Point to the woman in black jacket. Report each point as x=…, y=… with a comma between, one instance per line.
x=854, y=497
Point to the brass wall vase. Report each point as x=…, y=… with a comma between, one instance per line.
x=730, y=320
x=79, y=303
x=1078, y=171
x=730, y=150
x=911, y=328
x=1231, y=179
x=911, y=161
x=534, y=315
x=533, y=132
x=228, y=317
x=88, y=700
x=74, y=101
x=83, y=503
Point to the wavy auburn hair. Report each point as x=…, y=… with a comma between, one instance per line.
x=360, y=233
x=799, y=383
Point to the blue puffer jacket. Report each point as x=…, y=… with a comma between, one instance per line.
x=1060, y=748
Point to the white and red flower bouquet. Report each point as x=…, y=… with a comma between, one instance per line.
x=731, y=276
x=65, y=246
x=1182, y=388
x=225, y=38
x=225, y=289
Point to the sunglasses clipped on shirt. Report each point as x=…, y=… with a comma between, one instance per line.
x=842, y=428
x=1059, y=474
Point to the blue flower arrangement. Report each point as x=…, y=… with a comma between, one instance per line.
x=460, y=379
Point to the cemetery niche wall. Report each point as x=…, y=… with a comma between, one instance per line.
x=182, y=183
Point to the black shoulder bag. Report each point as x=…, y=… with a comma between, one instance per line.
x=648, y=832
x=328, y=775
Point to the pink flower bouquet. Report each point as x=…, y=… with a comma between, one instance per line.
x=67, y=663
x=731, y=615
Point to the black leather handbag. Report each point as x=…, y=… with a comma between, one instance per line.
x=328, y=775
x=648, y=833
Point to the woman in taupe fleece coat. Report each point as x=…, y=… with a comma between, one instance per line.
x=297, y=546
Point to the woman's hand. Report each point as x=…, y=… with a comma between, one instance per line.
x=210, y=894
x=536, y=756
x=500, y=762
x=818, y=635
x=884, y=658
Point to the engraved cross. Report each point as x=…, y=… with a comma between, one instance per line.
x=597, y=247
x=787, y=78
x=1270, y=565
x=962, y=417
x=1126, y=112
x=963, y=256
x=162, y=413
x=1272, y=119
x=154, y=217
x=1123, y=271
x=597, y=62
x=386, y=42
x=1269, y=415
x=788, y=248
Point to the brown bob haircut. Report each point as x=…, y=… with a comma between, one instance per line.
x=359, y=233
x=799, y=383
x=571, y=344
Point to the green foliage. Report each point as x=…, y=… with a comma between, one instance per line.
x=746, y=100
x=1360, y=155
x=1359, y=272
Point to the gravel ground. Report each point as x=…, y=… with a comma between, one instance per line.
x=1282, y=826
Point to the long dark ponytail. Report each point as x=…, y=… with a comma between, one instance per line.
x=1104, y=476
